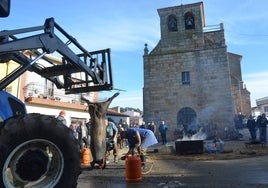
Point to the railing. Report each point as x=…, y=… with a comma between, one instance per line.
x=50, y=92
x=210, y=28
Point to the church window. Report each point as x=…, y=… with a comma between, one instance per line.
x=189, y=20
x=172, y=23
x=185, y=77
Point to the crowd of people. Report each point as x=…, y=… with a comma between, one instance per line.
x=116, y=137
x=133, y=136
x=254, y=125
x=120, y=135
x=260, y=124
x=81, y=131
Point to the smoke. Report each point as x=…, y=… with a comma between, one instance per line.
x=203, y=126
x=199, y=135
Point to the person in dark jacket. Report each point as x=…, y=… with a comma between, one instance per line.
x=61, y=117
x=83, y=134
x=262, y=125
x=251, y=125
x=111, y=139
x=163, y=131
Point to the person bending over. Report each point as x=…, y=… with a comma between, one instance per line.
x=139, y=138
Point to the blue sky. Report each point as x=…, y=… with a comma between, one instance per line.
x=126, y=25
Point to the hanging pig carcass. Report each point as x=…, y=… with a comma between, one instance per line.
x=97, y=113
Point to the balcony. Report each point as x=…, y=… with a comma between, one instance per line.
x=37, y=101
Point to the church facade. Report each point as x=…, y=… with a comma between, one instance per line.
x=190, y=79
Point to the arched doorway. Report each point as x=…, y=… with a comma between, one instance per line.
x=186, y=117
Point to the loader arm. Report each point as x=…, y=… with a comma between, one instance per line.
x=95, y=67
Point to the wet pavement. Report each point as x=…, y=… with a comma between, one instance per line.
x=244, y=172
x=248, y=172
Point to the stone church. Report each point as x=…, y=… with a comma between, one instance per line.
x=190, y=79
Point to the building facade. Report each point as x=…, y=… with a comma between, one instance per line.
x=188, y=78
x=262, y=107
x=42, y=96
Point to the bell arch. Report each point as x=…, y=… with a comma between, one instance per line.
x=172, y=23
x=189, y=20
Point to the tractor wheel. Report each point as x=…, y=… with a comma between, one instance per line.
x=38, y=151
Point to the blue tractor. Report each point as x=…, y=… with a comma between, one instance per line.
x=37, y=150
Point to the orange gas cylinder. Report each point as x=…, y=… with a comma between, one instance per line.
x=85, y=156
x=133, y=168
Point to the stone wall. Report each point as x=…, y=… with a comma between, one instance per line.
x=208, y=97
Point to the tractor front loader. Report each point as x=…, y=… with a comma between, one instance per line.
x=37, y=150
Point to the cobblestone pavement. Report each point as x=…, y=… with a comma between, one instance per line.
x=167, y=171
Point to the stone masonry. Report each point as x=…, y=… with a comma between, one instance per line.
x=187, y=75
